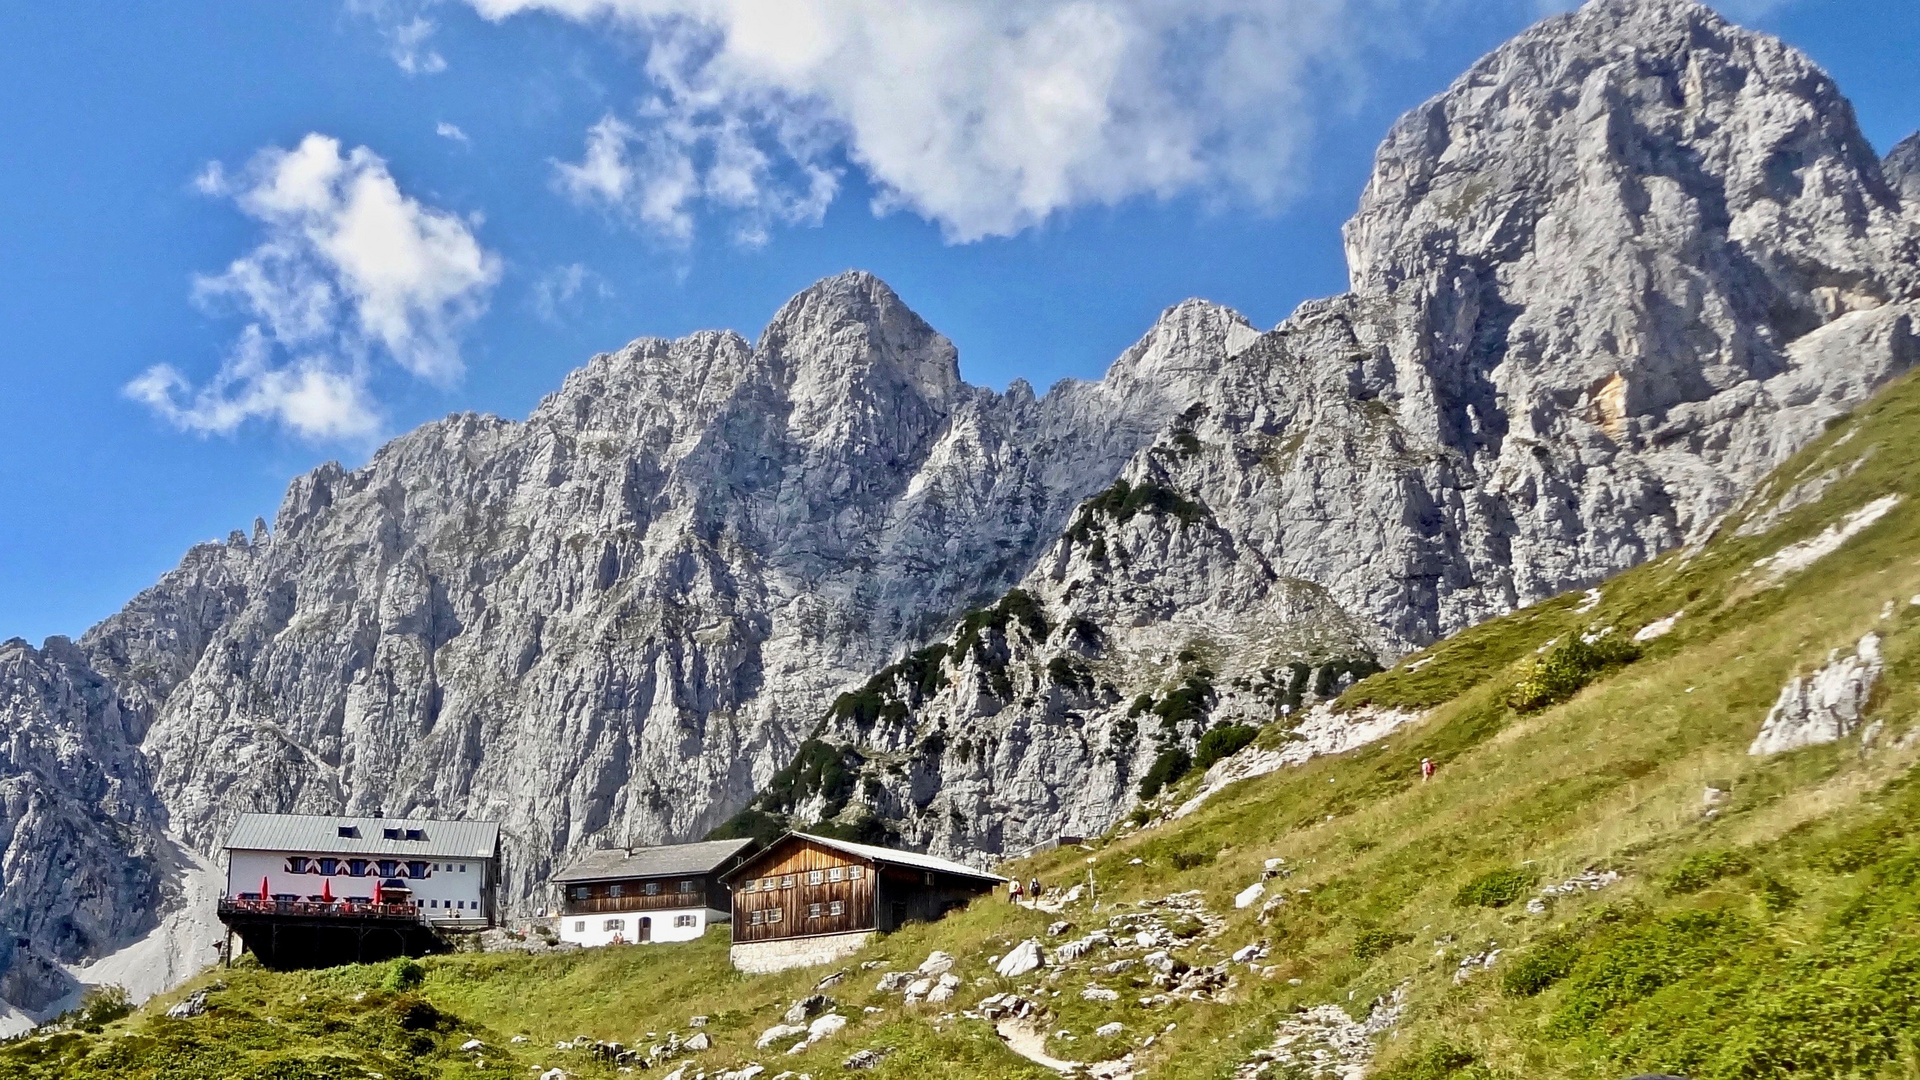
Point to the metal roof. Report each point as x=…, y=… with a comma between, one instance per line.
x=665, y=860
x=319, y=834
x=891, y=856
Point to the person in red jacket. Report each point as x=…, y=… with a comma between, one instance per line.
x=1426, y=768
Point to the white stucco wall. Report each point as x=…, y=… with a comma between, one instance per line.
x=594, y=929
x=447, y=894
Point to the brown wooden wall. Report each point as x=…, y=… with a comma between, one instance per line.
x=633, y=896
x=796, y=858
x=907, y=896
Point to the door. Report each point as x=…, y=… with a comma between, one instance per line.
x=646, y=929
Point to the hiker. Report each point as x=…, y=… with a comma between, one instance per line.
x=1033, y=889
x=1013, y=891
x=1426, y=768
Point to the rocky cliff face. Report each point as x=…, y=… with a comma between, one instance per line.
x=79, y=823
x=612, y=621
x=1619, y=269
x=1902, y=169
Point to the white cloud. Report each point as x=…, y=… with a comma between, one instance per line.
x=350, y=271
x=986, y=116
x=563, y=288
x=407, y=32
x=452, y=131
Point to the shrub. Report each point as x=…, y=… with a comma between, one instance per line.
x=1703, y=868
x=1436, y=1062
x=1495, y=888
x=1571, y=665
x=102, y=1005
x=1372, y=941
x=1222, y=742
x=1172, y=764
x=403, y=974
x=1641, y=960
x=1188, y=703
x=1542, y=965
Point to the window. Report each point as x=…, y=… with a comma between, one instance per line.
x=463, y=868
x=579, y=926
x=349, y=832
x=614, y=925
x=749, y=886
x=614, y=889
x=815, y=877
x=686, y=886
x=773, y=914
x=813, y=911
x=390, y=834
x=684, y=921
x=786, y=881
x=416, y=834
x=757, y=918
x=836, y=908
x=837, y=874
x=653, y=888
x=579, y=892
x=855, y=873
x=460, y=903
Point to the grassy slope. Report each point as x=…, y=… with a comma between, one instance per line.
x=1778, y=934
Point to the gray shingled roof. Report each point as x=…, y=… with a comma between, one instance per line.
x=320, y=835
x=892, y=856
x=667, y=860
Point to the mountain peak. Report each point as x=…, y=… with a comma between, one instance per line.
x=854, y=327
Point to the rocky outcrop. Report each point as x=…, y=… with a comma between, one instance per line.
x=1824, y=707
x=1902, y=169
x=1616, y=273
x=79, y=824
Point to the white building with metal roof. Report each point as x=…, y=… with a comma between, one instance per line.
x=670, y=892
x=448, y=870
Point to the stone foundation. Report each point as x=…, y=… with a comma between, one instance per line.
x=767, y=957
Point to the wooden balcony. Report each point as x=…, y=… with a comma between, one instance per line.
x=616, y=904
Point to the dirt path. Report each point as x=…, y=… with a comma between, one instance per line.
x=1031, y=1043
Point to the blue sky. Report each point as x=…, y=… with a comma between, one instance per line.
x=198, y=301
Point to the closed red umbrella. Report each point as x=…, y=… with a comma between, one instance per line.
x=264, y=894
x=326, y=891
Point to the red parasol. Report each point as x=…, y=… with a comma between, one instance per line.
x=264, y=894
x=326, y=890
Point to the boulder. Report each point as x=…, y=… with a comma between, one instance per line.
x=1023, y=958
x=779, y=1033
x=809, y=1006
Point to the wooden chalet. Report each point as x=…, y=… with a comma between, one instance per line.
x=807, y=899
x=670, y=892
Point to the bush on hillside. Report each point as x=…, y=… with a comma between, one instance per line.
x=102, y=1005
x=1172, y=764
x=1222, y=742
x=1437, y=1062
x=1495, y=888
x=1571, y=665
x=1373, y=941
x=1703, y=868
x=1540, y=966
x=402, y=974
